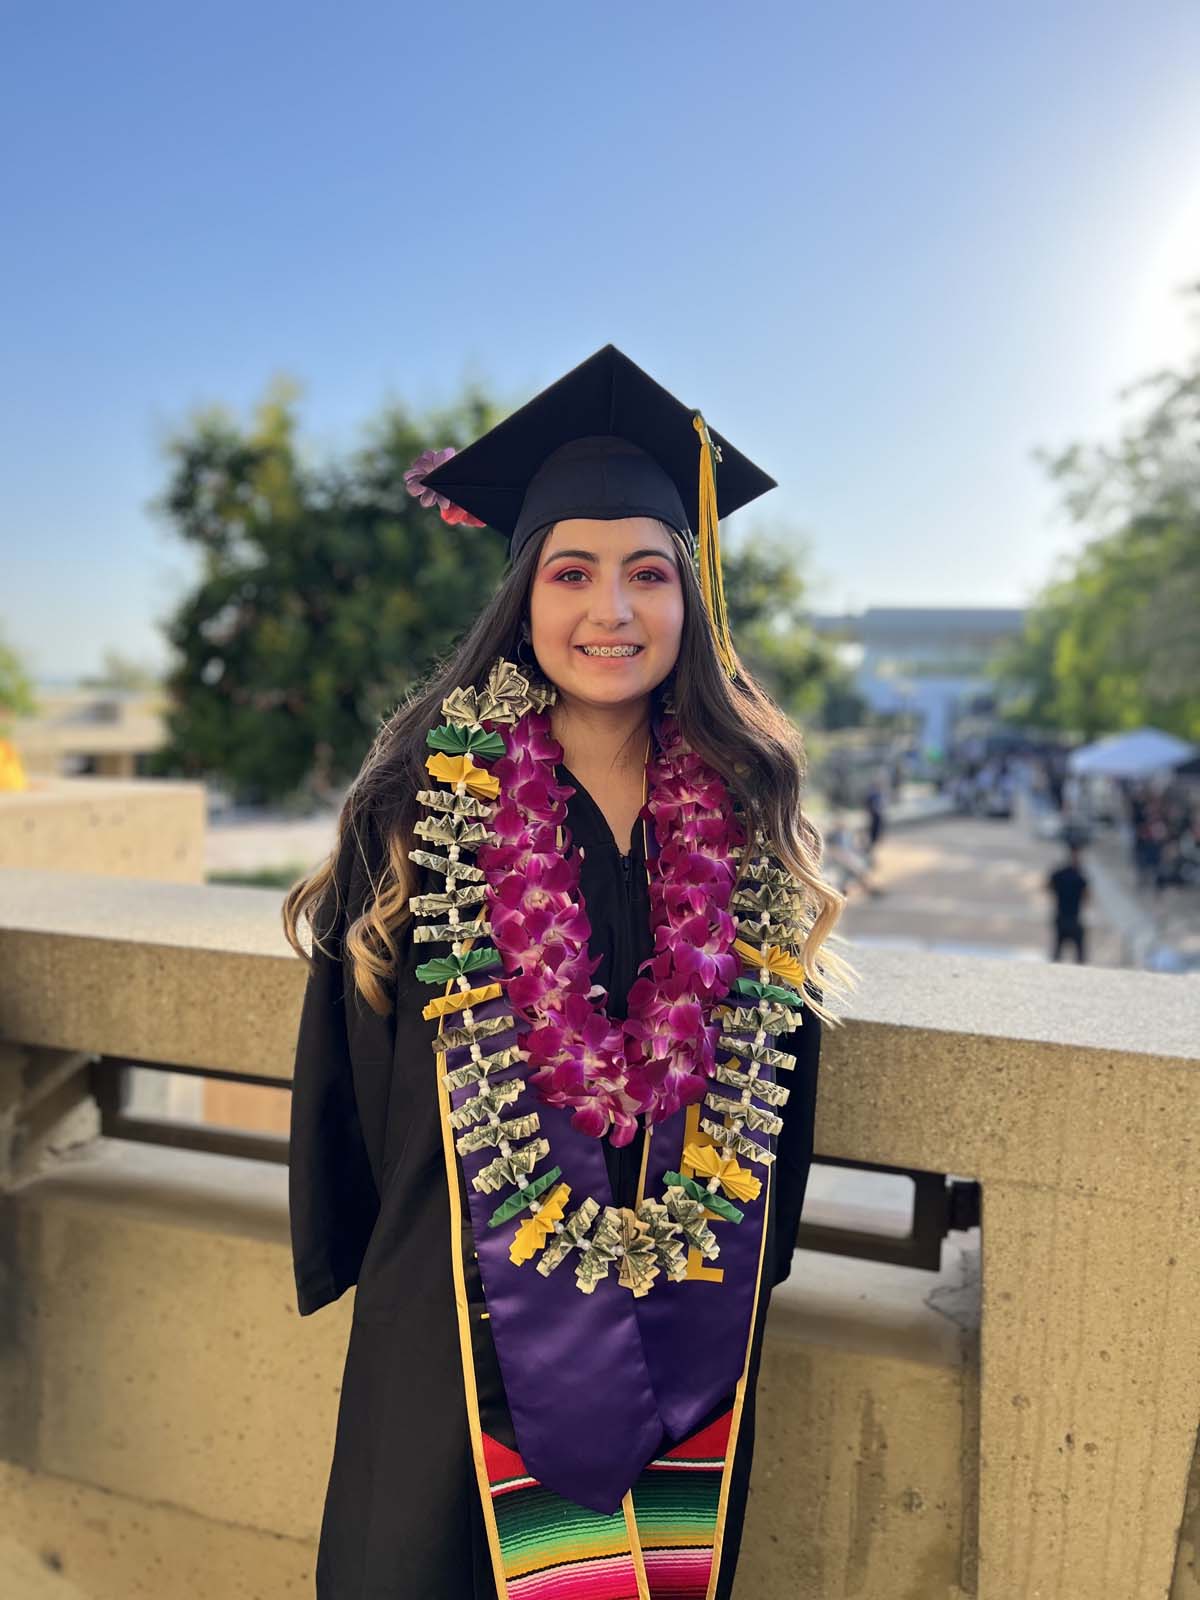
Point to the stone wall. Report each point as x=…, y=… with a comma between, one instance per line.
x=166, y=1418
x=142, y=828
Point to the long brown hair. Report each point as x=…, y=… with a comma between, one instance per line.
x=732, y=723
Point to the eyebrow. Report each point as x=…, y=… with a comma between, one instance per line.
x=588, y=555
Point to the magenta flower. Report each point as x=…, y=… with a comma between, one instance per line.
x=539, y=938
x=549, y=990
x=661, y=1056
x=544, y=885
x=414, y=482
x=532, y=735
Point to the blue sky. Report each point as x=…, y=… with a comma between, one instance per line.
x=889, y=248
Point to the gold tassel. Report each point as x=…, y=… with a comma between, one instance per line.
x=709, y=552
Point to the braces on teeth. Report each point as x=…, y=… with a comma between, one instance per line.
x=610, y=650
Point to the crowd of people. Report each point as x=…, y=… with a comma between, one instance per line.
x=986, y=788
x=1164, y=835
x=1157, y=822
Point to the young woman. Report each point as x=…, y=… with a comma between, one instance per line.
x=556, y=1073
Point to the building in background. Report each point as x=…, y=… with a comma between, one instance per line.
x=100, y=732
x=930, y=663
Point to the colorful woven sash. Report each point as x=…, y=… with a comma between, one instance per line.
x=663, y=1545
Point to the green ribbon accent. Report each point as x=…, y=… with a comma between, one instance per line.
x=767, y=991
x=442, y=969
x=458, y=741
x=518, y=1201
x=714, y=1202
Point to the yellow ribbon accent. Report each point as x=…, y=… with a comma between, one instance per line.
x=539, y=1225
x=707, y=1162
x=777, y=961
x=709, y=549
x=461, y=769
x=446, y=1003
x=12, y=775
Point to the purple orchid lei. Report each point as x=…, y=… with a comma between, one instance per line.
x=660, y=1057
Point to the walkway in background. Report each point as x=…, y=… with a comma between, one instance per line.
x=971, y=886
x=246, y=840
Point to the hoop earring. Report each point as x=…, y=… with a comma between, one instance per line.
x=525, y=641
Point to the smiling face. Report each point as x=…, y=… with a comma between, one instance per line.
x=611, y=584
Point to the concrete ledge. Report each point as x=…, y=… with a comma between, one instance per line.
x=158, y=1352
x=1072, y=1095
x=61, y=1540
x=126, y=1261
x=198, y=976
x=865, y=1475
x=875, y=1309
x=148, y=828
x=117, y=965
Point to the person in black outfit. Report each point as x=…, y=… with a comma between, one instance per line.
x=505, y=1415
x=1069, y=887
x=875, y=820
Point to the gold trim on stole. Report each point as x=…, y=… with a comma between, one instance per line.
x=739, y=1402
x=464, y=1324
x=466, y=1354
x=635, y=1546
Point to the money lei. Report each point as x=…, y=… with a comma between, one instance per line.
x=646, y=1243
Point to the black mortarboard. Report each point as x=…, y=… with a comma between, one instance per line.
x=566, y=454
x=605, y=441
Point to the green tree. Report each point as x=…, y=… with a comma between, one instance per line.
x=767, y=601
x=323, y=592
x=1113, y=641
x=119, y=671
x=16, y=689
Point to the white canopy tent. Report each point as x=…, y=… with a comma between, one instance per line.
x=1138, y=754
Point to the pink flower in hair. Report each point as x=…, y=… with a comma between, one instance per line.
x=414, y=482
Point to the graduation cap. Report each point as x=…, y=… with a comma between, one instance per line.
x=605, y=441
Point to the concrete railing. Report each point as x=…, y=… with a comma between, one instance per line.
x=155, y=1380
x=139, y=828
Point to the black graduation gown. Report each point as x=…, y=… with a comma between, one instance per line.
x=368, y=1206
